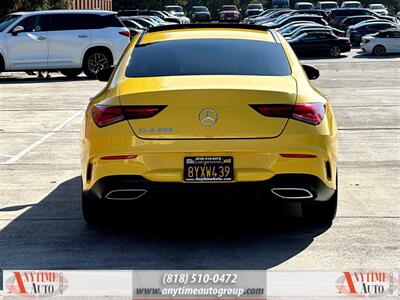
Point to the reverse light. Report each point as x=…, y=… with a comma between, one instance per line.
x=311, y=113
x=104, y=115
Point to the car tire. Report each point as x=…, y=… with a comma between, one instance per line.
x=2, y=65
x=95, y=60
x=379, y=50
x=321, y=213
x=71, y=73
x=334, y=51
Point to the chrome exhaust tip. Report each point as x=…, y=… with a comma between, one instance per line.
x=292, y=193
x=126, y=194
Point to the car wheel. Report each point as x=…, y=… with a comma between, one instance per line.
x=334, y=51
x=95, y=61
x=72, y=73
x=321, y=213
x=379, y=50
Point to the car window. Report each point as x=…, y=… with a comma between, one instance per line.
x=83, y=21
x=60, y=22
x=254, y=6
x=396, y=35
x=229, y=7
x=310, y=37
x=34, y=23
x=208, y=57
x=200, y=9
x=383, y=26
x=7, y=21
x=324, y=36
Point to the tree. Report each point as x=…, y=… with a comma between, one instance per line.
x=9, y=6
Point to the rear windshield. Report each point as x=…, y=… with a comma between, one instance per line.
x=347, y=12
x=352, y=5
x=208, y=57
x=328, y=5
x=254, y=6
x=200, y=9
x=377, y=6
x=229, y=7
x=174, y=8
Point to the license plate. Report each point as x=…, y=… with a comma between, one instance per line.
x=208, y=169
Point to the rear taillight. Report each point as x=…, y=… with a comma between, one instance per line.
x=311, y=113
x=125, y=33
x=106, y=115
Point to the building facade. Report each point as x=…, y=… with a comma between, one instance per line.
x=91, y=4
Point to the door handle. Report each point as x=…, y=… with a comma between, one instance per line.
x=41, y=38
x=82, y=36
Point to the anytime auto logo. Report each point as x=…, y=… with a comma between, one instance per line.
x=35, y=284
x=368, y=284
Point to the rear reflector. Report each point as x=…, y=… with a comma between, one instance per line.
x=116, y=157
x=297, y=155
x=106, y=115
x=311, y=113
x=125, y=33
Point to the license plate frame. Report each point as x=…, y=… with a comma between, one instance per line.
x=208, y=169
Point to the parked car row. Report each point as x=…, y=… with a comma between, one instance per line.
x=315, y=31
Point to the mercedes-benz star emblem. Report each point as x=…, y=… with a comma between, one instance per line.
x=208, y=117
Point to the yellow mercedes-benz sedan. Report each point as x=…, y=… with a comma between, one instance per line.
x=209, y=106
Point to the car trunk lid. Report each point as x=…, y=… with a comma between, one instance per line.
x=208, y=107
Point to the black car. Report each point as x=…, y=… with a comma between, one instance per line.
x=355, y=33
x=345, y=23
x=200, y=14
x=320, y=43
x=337, y=15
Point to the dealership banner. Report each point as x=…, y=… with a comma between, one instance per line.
x=200, y=284
x=209, y=284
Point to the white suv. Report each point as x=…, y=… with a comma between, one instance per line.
x=69, y=41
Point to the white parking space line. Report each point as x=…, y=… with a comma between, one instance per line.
x=44, y=138
x=5, y=155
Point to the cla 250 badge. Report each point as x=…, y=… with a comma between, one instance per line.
x=155, y=130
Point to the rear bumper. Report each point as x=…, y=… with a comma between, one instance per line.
x=105, y=186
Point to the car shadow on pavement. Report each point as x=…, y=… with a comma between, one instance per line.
x=313, y=57
x=17, y=79
x=370, y=56
x=190, y=232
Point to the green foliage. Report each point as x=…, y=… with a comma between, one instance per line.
x=8, y=6
x=214, y=5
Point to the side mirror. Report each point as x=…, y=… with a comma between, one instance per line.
x=17, y=29
x=312, y=73
x=104, y=74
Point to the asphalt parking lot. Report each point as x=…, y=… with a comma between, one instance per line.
x=41, y=226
